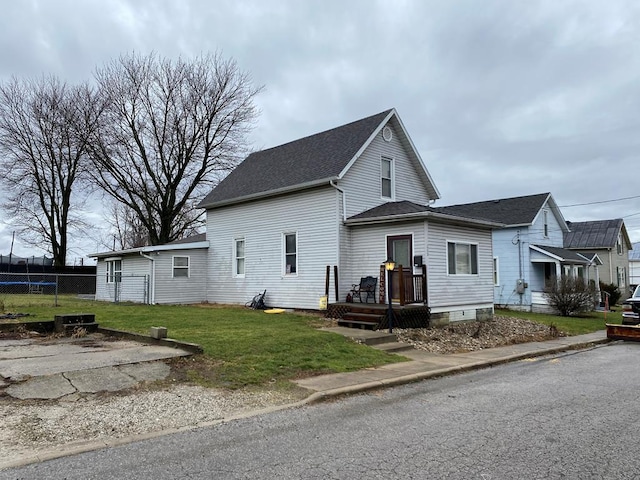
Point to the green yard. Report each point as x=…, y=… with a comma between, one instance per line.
x=244, y=346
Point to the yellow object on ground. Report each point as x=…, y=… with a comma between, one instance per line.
x=275, y=310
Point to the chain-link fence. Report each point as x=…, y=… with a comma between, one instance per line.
x=121, y=288
x=54, y=284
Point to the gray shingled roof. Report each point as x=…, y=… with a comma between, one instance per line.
x=403, y=207
x=564, y=254
x=308, y=160
x=510, y=211
x=199, y=237
x=594, y=234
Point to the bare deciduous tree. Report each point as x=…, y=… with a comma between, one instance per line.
x=171, y=129
x=44, y=127
x=570, y=295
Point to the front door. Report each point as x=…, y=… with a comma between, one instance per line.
x=400, y=250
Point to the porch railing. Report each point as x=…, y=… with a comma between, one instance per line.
x=412, y=288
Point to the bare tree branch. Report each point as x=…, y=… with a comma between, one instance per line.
x=44, y=128
x=171, y=130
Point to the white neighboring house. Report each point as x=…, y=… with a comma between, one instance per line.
x=345, y=199
x=171, y=273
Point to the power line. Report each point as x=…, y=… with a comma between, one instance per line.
x=597, y=203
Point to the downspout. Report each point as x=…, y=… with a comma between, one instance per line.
x=152, y=280
x=344, y=199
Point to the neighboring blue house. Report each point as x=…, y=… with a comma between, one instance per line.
x=529, y=249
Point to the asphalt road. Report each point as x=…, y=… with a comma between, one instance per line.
x=571, y=416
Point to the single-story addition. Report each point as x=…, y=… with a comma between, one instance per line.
x=341, y=202
x=170, y=273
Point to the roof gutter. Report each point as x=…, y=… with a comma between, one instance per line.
x=270, y=193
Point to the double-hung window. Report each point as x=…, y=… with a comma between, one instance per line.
x=462, y=258
x=114, y=271
x=386, y=177
x=238, y=253
x=545, y=216
x=290, y=253
x=496, y=271
x=180, y=267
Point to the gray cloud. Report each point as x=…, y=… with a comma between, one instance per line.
x=501, y=98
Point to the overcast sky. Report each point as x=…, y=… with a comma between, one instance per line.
x=501, y=98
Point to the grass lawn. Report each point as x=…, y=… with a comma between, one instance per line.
x=587, y=323
x=242, y=346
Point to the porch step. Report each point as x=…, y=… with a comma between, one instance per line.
x=393, y=347
x=357, y=324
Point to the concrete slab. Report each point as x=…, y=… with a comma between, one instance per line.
x=147, y=371
x=83, y=360
x=108, y=379
x=48, y=387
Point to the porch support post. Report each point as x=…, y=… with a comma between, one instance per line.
x=424, y=284
x=400, y=285
x=335, y=280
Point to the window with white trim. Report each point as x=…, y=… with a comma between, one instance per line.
x=114, y=271
x=619, y=244
x=545, y=216
x=386, y=177
x=238, y=253
x=462, y=258
x=180, y=267
x=496, y=271
x=290, y=242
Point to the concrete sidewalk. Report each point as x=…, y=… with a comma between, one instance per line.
x=425, y=365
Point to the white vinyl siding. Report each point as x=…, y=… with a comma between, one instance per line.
x=447, y=290
x=180, y=267
x=314, y=216
x=362, y=182
x=191, y=289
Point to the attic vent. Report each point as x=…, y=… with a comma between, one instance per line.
x=387, y=134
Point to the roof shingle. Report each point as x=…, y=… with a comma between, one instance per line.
x=311, y=159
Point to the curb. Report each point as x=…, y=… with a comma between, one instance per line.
x=316, y=397
x=139, y=337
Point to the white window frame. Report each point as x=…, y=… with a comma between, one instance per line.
x=180, y=268
x=496, y=271
x=390, y=179
x=477, y=263
x=619, y=248
x=114, y=275
x=237, y=258
x=285, y=254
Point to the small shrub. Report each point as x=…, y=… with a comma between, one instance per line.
x=570, y=295
x=613, y=291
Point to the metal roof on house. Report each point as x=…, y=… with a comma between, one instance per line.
x=594, y=234
x=308, y=160
x=509, y=211
x=563, y=254
x=635, y=253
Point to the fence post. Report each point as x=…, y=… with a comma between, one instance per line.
x=56, y=299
